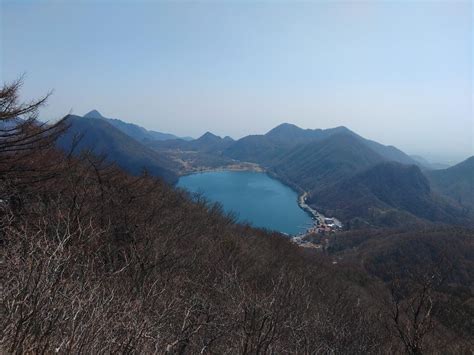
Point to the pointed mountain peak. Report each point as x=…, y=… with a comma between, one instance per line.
x=93, y=114
x=287, y=131
x=284, y=127
x=341, y=129
x=208, y=135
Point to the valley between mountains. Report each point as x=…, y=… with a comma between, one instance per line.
x=263, y=177
x=103, y=254
x=359, y=181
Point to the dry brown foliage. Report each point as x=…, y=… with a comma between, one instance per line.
x=96, y=261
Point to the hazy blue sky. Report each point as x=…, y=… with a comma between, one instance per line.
x=398, y=72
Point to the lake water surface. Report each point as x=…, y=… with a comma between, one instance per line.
x=255, y=198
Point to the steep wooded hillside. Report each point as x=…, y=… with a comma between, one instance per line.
x=133, y=260
x=135, y=131
x=270, y=148
x=101, y=138
x=457, y=182
x=207, y=143
x=319, y=164
x=387, y=194
x=95, y=260
x=410, y=262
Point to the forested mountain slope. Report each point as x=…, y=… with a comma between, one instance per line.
x=334, y=166
x=387, y=194
x=355, y=179
x=100, y=137
x=457, y=182
x=256, y=149
x=207, y=143
x=135, y=131
x=270, y=148
x=133, y=260
x=408, y=260
x=95, y=260
x=325, y=162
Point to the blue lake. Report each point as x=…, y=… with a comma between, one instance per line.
x=254, y=197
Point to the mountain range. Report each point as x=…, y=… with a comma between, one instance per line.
x=281, y=140
x=456, y=182
x=208, y=142
x=137, y=132
x=102, y=138
x=355, y=179
x=386, y=194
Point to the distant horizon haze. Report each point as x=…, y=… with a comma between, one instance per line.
x=400, y=73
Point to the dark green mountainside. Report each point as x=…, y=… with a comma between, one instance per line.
x=387, y=194
x=207, y=143
x=322, y=163
x=102, y=138
x=338, y=168
x=95, y=260
x=256, y=149
x=133, y=130
x=268, y=149
x=355, y=179
x=457, y=182
x=342, y=171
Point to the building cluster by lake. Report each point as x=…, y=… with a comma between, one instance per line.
x=316, y=236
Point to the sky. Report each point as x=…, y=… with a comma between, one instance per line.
x=399, y=72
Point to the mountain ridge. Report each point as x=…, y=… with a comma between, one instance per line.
x=457, y=182
x=133, y=130
x=322, y=162
x=286, y=136
x=383, y=195
x=102, y=138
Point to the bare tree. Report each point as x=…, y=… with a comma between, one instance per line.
x=413, y=303
x=21, y=134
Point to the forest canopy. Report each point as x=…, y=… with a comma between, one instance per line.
x=95, y=260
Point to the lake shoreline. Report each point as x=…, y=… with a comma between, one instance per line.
x=302, y=203
x=316, y=216
x=233, y=167
x=258, y=198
